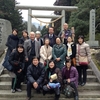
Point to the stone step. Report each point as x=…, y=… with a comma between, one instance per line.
x=6, y=77
x=89, y=86
x=89, y=72
x=82, y=94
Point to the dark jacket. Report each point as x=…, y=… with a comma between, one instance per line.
x=12, y=43
x=53, y=71
x=22, y=39
x=36, y=74
x=73, y=47
x=52, y=40
x=17, y=60
x=73, y=75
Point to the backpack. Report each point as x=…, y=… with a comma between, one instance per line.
x=68, y=91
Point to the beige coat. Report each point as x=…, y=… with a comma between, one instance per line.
x=84, y=51
x=45, y=53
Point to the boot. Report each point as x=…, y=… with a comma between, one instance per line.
x=57, y=97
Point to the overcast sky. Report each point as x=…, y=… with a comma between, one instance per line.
x=36, y=3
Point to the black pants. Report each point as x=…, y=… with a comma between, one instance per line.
x=72, y=84
x=30, y=86
x=16, y=82
x=82, y=70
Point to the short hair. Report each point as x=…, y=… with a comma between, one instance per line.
x=15, y=30
x=35, y=58
x=81, y=36
x=68, y=61
x=59, y=38
x=32, y=33
x=25, y=32
x=51, y=61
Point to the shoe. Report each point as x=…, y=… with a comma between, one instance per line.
x=79, y=83
x=28, y=98
x=44, y=93
x=19, y=90
x=83, y=84
x=76, y=98
x=13, y=91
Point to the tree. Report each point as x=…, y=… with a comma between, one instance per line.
x=8, y=12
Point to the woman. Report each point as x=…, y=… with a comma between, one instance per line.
x=12, y=42
x=24, y=37
x=71, y=50
x=51, y=71
x=16, y=59
x=59, y=53
x=70, y=76
x=83, y=50
x=45, y=52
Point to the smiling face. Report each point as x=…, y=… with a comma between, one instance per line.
x=14, y=32
x=68, y=64
x=69, y=39
x=35, y=61
x=51, y=64
x=65, y=26
x=25, y=34
x=80, y=40
x=32, y=35
x=58, y=41
x=20, y=49
x=46, y=42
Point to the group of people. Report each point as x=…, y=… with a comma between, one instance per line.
x=35, y=60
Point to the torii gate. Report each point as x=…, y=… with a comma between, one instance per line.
x=49, y=8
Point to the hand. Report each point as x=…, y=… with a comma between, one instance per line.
x=48, y=86
x=35, y=85
x=67, y=57
x=26, y=59
x=58, y=59
x=68, y=80
x=19, y=71
x=50, y=80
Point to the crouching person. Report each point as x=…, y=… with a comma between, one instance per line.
x=35, y=76
x=70, y=77
x=17, y=59
x=52, y=80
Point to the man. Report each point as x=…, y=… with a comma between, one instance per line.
x=35, y=76
x=52, y=37
x=65, y=33
x=31, y=48
x=38, y=38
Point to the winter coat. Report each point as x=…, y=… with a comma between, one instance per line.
x=83, y=51
x=52, y=40
x=11, y=43
x=53, y=71
x=45, y=53
x=36, y=73
x=59, y=51
x=17, y=60
x=22, y=40
x=73, y=75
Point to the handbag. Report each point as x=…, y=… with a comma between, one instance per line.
x=7, y=65
x=53, y=77
x=68, y=91
x=83, y=60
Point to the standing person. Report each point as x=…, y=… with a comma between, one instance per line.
x=38, y=38
x=24, y=37
x=83, y=50
x=12, y=42
x=59, y=53
x=51, y=36
x=51, y=71
x=17, y=59
x=35, y=76
x=71, y=50
x=45, y=52
x=70, y=76
x=31, y=48
x=65, y=33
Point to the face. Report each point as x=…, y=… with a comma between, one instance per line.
x=32, y=35
x=80, y=40
x=25, y=34
x=14, y=32
x=51, y=31
x=47, y=42
x=38, y=36
x=58, y=41
x=51, y=65
x=69, y=39
x=35, y=62
x=20, y=50
x=65, y=26
x=68, y=64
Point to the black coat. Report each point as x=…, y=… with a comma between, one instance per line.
x=52, y=40
x=12, y=43
x=73, y=47
x=17, y=60
x=21, y=40
x=53, y=71
x=36, y=73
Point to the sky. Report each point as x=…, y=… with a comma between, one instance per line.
x=34, y=12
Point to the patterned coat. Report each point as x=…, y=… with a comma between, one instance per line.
x=83, y=50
